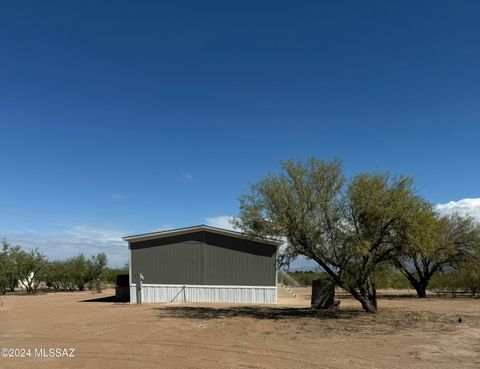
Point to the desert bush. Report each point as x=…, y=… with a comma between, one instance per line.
x=305, y=278
x=388, y=277
x=460, y=281
x=9, y=272
x=77, y=272
x=28, y=269
x=95, y=267
x=59, y=277
x=109, y=275
x=3, y=274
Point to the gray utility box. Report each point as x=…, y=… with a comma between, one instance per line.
x=323, y=294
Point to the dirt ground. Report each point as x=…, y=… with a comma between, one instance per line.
x=406, y=333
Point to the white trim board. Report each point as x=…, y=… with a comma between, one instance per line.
x=129, y=265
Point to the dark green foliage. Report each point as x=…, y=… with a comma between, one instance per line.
x=95, y=267
x=8, y=267
x=3, y=271
x=77, y=272
x=306, y=278
x=59, y=276
x=465, y=279
x=110, y=274
x=389, y=277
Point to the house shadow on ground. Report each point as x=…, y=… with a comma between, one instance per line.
x=105, y=299
x=257, y=312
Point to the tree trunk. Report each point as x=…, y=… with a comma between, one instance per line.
x=473, y=292
x=371, y=290
x=364, y=296
x=13, y=284
x=419, y=284
x=367, y=304
x=421, y=291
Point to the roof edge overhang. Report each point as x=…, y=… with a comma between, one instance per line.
x=198, y=228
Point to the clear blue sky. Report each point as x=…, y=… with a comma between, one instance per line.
x=133, y=116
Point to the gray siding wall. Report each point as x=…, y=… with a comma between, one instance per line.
x=204, y=258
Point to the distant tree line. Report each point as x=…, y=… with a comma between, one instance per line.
x=362, y=229
x=30, y=269
x=464, y=279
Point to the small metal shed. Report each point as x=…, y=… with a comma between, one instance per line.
x=203, y=264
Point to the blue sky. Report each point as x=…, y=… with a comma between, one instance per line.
x=127, y=117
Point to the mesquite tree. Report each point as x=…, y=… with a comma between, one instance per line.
x=20, y=267
x=30, y=264
x=350, y=228
x=434, y=243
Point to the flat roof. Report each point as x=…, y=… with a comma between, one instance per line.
x=197, y=228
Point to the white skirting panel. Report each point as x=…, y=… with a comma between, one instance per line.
x=205, y=293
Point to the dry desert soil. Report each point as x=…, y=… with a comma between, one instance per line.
x=407, y=333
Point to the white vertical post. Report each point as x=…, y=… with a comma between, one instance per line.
x=139, y=288
x=129, y=264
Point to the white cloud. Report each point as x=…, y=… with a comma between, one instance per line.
x=222, y=221
x=72, y=241
x=116, y=197
x=463, y=207
x=186, y=177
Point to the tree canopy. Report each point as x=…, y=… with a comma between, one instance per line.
x=434, y=244
x=348, y=227
x=357, y=228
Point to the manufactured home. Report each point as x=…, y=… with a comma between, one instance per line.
x=202, y=264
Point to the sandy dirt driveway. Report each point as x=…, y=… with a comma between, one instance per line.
x=407, y=333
